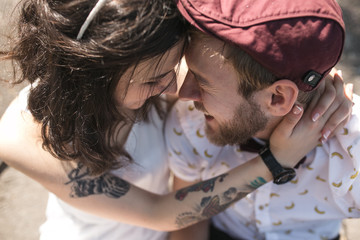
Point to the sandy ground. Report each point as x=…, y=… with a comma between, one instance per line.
x=22, y=201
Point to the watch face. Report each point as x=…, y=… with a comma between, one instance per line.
x=285, y=176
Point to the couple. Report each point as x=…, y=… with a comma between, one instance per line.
x=89, y=107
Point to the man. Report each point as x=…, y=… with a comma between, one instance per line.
x=266, y=51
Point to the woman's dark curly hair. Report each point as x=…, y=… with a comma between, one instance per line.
x=74, y=80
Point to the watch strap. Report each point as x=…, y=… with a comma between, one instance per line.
x=270, y=161
x=281, y=175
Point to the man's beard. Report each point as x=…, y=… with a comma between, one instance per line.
x=248, y=120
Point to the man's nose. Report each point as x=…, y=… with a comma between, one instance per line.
x=189, y=90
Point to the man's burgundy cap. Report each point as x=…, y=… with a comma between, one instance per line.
x=299, y=40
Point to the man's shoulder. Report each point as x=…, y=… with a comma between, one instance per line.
x=339, y=158
x=186, y=125
x=356, y=106
x=352, y=128
x=185, y=119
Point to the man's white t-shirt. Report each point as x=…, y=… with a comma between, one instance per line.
x=325, y=190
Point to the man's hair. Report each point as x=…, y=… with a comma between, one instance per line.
x=252, y=76
x=74, y=80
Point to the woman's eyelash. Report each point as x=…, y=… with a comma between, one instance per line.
x=151, y=83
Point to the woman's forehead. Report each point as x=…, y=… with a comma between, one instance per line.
x=159, y=64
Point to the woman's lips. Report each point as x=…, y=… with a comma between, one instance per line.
x=208, y=117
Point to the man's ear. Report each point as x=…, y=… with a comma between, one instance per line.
x=283, y=96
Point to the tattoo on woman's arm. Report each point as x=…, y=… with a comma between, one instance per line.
x=83, y=185
x=209, y=207
x=204, y=186
x=258, y=182
x=212, y=205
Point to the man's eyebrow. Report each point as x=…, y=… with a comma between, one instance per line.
x=160, y=76
x=200, y=78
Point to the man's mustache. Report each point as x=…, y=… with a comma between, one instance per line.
x=199, y=106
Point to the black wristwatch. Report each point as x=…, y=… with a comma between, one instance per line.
x=281, y=175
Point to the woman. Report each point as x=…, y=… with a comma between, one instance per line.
x=90, y=124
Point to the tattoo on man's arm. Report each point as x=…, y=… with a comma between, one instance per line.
x=83, y=185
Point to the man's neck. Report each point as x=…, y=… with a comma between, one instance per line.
x=266, y=133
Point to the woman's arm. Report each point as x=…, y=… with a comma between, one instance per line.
x=114, y=198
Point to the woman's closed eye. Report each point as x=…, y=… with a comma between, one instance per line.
x=151, y=83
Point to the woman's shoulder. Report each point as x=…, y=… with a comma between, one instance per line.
x=17, y=123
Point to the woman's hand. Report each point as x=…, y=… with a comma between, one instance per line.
x=294, y=138
x=335, y=103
